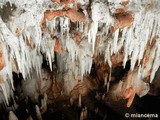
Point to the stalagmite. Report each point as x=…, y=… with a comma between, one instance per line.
x=83, y=114
x=12, y=116
x=38, y=113
x=29, y=118
x=105, y=80
x=79, y=100
x=44, y=104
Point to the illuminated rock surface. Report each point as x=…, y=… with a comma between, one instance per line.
x=67, y=49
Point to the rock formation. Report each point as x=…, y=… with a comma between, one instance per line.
x=86, y=43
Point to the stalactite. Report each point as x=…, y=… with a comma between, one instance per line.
x=115, y=41
x=5, y=92
x=47, y=47
x=87, y=21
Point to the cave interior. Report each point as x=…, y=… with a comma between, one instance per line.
x=79, y=59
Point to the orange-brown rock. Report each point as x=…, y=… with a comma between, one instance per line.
x=132, y=86
x=130, y=99
x=120, y=11
x=29, y=43
x=84, y=87
x=53, y=93
x=123, y=20
x=58, y=47
x=1, y=80
x=2, y=61
x=78, y=37
x=49, y=15
x=117, y=60
x=73, y=14
x=17, y=31
x=58, y=1
x=125, y=3
x=102, y=70
x=129, y=94
x=56, y=89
